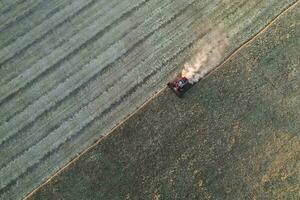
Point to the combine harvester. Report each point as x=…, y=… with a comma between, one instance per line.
x=180, y=85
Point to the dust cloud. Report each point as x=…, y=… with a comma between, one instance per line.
x=208, y=53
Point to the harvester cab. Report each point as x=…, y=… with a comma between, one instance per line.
x=179, y=86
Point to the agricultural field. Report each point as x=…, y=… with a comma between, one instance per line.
x=235, y=135
x=70, y=71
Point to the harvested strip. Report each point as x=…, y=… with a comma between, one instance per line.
x=70, y=105
x=75, y=80
x=40, y=30
x=55, y=38
x=7, y=5
x=86, y=115
x=26, y=24
x=20, y=10
x=59, y=54
x=44, y=103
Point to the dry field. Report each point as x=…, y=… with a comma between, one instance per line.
x=235, y=135
x=71, y=70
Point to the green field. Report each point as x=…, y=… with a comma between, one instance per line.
x=71, y=70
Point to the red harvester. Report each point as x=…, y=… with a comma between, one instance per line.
x=180, y=86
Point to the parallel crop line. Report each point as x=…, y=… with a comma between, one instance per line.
x=132, y=91
x=258, y=34
x=73, y=81
x=95, y=88
x=85, y=99
x=231, y=7
x=8, y=7
x=28, y=55
x=21, y=11
x=40, y=15
x=16, y=104
x=249, y=17
x=91, y=147
x=86, y=115
x=41, y=30
x=76, y=80
x=59, y=55
x=104, y=81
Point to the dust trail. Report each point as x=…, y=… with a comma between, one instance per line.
x=209, y=52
